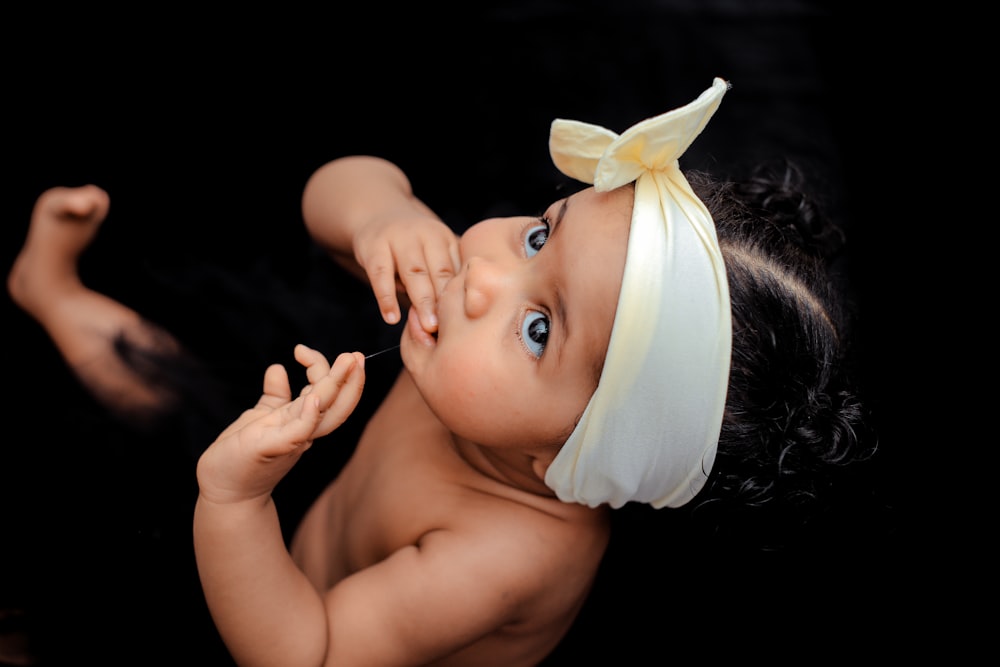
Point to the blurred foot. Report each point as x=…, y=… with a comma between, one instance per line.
x=63, y=223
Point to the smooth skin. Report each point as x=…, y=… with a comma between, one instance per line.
x=438, y=543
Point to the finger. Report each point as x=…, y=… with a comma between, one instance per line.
x=340, y=391
x=442, y=264
x=276, y=385
x=423, y=296
x=348, y=395
x=456, y=256
x=317, y=367
x=325, y=390
x=381, y=272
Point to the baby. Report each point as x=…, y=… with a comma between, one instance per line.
x=555, y=368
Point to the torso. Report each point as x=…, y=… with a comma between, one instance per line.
x=407, y=479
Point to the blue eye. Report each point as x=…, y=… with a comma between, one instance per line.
x=535, y=331
x=536, y=236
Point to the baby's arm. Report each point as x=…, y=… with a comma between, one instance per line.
x=362, y=210
x=263, y=606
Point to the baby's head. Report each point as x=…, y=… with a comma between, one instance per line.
x=598, y=333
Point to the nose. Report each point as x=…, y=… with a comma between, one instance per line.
x=483, y=280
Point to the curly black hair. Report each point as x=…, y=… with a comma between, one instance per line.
x=794, y=420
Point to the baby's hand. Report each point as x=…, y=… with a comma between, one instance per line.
x=256, y=451
x=413, y=253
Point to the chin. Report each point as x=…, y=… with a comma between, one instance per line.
x=416, y=346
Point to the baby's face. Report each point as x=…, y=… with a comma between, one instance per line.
x=524, y=326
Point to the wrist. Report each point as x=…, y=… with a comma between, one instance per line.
x=230, y=500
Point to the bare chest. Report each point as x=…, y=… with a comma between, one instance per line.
x=403, y=481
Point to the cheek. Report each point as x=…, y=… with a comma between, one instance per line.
x=467, y=394
x=464, y=384
x=485, y=403
x=461, y=377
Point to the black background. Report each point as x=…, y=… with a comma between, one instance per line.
x=204, y=128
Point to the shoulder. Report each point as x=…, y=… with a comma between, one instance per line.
x=516, y=566
x=526, y=548
x=501, y=565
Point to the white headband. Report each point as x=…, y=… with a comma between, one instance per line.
x=651, y=429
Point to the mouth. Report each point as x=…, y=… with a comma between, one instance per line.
x=417, y=332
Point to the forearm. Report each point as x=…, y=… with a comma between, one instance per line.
x=265, y=609
x=346, y=194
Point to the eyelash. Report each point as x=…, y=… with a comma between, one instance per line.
x=529, y=230
x=525, y=321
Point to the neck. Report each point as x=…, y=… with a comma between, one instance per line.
x=516, y=469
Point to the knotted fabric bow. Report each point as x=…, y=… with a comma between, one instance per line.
x=651, y=429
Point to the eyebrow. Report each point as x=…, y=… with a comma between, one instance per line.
x=556, y=225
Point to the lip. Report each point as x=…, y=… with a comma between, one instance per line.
x=416, y=332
